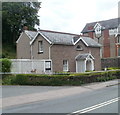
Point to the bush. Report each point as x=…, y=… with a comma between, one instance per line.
x=22, y=79
x=9, y=80
x=113, y=68
x=72, y=79
x=6, y=65
x=76, y=79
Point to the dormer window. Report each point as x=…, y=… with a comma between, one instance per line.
x=98, y=30
x=79, y=48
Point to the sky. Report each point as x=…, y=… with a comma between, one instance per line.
x=71, y=16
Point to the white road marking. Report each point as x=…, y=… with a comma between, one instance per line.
x=96, y=106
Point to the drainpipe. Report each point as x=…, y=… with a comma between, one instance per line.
x=100, y=52
x=50, y=51
x=50, y=56
x=31, y=56
x=31, y=52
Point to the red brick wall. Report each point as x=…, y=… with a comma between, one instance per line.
x=109, y=48
x=90, y=34
x=117, y=47
x=106, y=44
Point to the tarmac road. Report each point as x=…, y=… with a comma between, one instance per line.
x=95, y=98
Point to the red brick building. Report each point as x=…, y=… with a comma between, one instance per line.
x=106, y=33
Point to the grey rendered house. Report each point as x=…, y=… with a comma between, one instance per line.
x=66, y=52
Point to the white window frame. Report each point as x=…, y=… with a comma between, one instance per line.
x=118, y=39
x=65, y=66
x=40, y=46
x=98, y=30
x=48, y=65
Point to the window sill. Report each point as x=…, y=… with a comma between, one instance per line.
x=117, y=43
x=65, y=70
x=40, y=52
x=79, y=49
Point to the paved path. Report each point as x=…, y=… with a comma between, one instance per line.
x=53, y=94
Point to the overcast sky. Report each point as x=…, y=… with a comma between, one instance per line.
x=72, y=15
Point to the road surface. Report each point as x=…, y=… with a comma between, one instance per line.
x=91, y=100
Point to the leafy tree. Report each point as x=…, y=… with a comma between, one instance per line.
x=6, y=65
x=16, y=15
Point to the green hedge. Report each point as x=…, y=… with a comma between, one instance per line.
x=6, y=65
x=9, y=79
x=72, y=79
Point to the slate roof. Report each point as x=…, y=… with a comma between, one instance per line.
x=62, y=38
x=84, y=56
x=106, y=24
x=90, y=42
x=31, y=34
x=59, y=38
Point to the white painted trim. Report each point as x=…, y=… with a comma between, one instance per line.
x=50, y=51
x=42, y=36
x=19, y=37
x=45, y=65
x=51, y=66
x=93, y=65
x=92, y=62
x=91, y=56
x=97, y=24
x=76, y=66
x=27, y=34
x=84, y=42
x=45, y=38
x=76, y=56
x=101, y=50
x=31, y=49
x=34, y=38
x=85, y=62
x=85, y=53
x=31, y=59
x=85, y=65
x=67, y=66
x=76, y=42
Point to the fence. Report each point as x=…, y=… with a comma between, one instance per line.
x=31, y=66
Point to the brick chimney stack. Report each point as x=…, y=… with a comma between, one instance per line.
x=25, y=28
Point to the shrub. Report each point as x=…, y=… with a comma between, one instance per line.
x=61, y=80
x=113, y=68
x=6, y=65
x=22, y=79
x=9, y=80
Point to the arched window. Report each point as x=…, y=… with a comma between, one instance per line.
x=79, y=47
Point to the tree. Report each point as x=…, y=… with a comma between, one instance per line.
x=16, y=15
